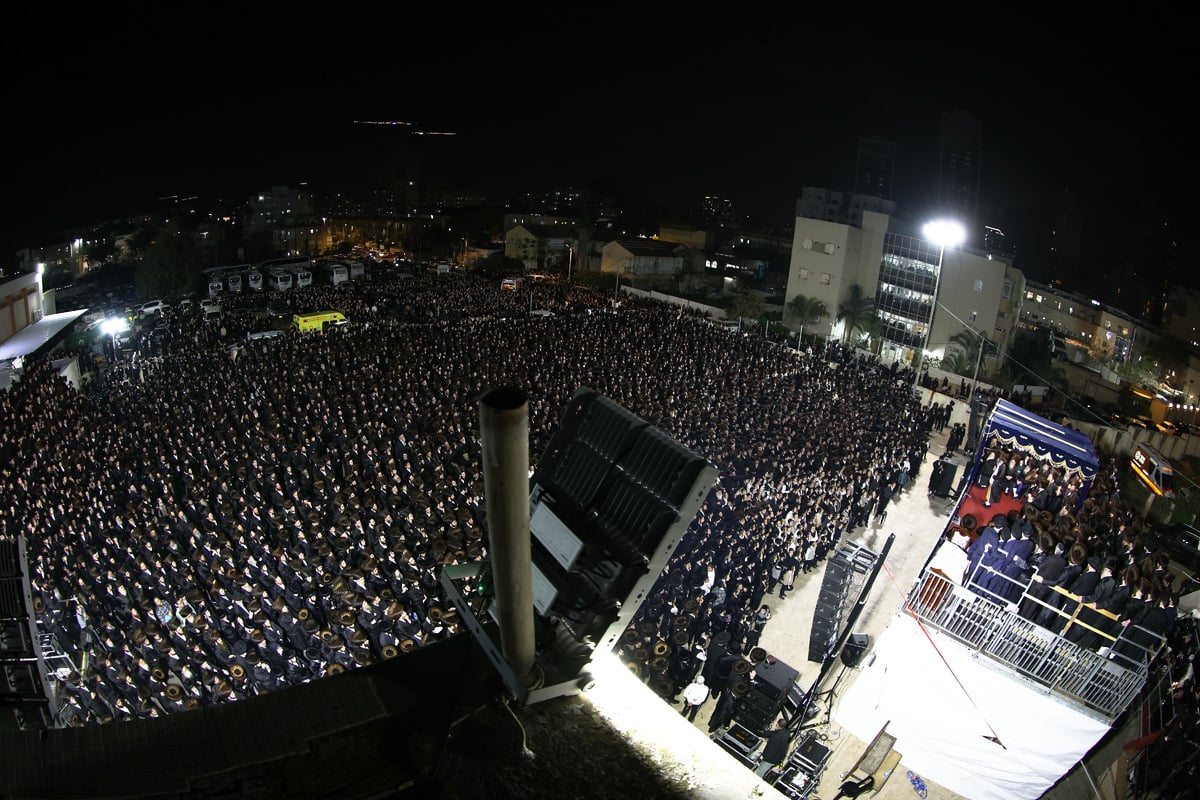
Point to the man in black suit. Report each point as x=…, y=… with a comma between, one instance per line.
x=775, y=750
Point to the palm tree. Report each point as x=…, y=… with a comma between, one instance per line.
x=970, y=342
x=956, y=362
x=870, y=334
x=856, y=312
x=806, y=309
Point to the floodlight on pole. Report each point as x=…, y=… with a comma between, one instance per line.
x=111, y=327
x=944, y=233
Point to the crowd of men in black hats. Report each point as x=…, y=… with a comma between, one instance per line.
x=214, y=524
x=809, y=447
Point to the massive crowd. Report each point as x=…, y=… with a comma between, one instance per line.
x=208, y=522
x=211, y=518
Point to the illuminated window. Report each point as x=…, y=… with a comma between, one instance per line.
x=825, y=278
x=979, y=286
x=972, y=316
x=803, y=274
x=1006, y=292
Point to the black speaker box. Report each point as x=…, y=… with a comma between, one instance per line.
x=942, y=487
x=760, y=702
x=836, y=568
x=773, y=678
x=824, y=622
x=757, y=720
x=831, y=599
x=854, y=648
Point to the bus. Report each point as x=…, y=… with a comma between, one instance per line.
x=336, y=272
x=227, y=276
x=288, y=263
x=354, y=269
x=279, y=280
x=254, y=279
x=303, y=277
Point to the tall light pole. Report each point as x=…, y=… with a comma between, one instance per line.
x=617, y=288
x=112, y=326
x=944, y=233
x=570, y=258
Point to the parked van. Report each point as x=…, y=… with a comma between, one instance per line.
x=317, y=320
x=1153, y=470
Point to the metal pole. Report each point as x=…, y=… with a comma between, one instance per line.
x=937, y=279
x=978, y=360
x=504, y=434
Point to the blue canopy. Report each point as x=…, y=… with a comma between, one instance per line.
x=1065, y=448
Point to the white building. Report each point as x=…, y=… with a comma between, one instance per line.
x=899, y=270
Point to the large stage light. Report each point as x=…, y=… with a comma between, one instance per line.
x=609, y=502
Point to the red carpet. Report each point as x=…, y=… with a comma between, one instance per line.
x=973, y=504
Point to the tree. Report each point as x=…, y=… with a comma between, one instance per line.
x=806, y=309
x=170, y=266
x=966, y=350
x=747, y=304
x=856, y=312
x=1167, y=356
x=956, y=362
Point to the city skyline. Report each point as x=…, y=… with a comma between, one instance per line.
x=755, y=128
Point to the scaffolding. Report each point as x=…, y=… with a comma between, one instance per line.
x=1090, y=680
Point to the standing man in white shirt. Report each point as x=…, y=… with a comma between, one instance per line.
x=693, y=697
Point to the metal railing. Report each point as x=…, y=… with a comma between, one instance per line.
x=997, y=632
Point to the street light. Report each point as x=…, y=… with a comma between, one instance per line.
x=944, y=233
x=570, y=258
x=617, y=289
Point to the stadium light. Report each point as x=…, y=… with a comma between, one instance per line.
x=944, y=233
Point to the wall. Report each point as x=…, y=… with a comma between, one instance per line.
x=20, y=304
x=711, y=311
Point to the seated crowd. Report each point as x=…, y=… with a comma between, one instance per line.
x=1083, y=568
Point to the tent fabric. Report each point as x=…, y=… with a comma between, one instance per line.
x=942, y=727
x=1065, y=448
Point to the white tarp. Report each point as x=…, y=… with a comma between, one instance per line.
x=941, y=729
x=32, y=337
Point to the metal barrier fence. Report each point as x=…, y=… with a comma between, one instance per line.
x=1085, y=677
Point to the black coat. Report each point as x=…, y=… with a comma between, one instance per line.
x=776, y=748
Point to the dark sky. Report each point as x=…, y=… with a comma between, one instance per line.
x=754, y=117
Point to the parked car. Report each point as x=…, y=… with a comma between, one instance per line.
x=153, y=307
x=1182, y=542
x=279, y=310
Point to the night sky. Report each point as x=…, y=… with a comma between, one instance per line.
x=753, y=117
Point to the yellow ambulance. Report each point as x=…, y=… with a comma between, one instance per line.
x=317, y=320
